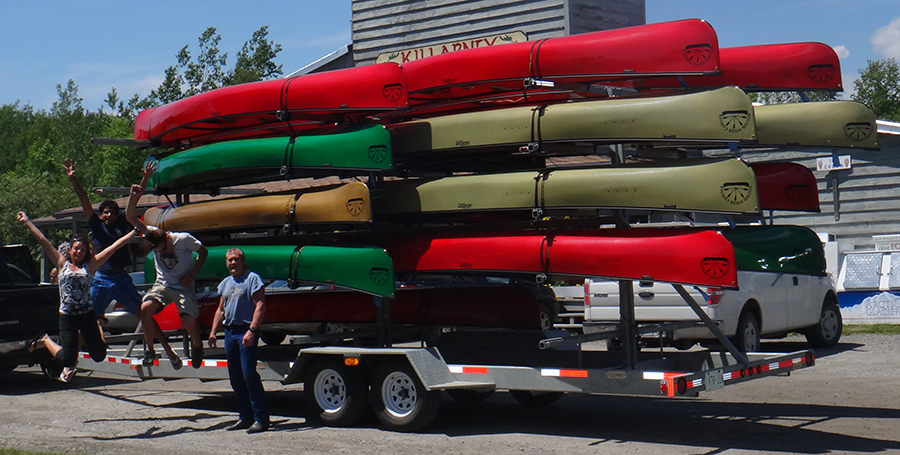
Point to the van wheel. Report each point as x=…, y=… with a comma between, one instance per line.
x=746, y=339
x=400, y=400
x=828, y=331
x=535, y=399
x=335, y=394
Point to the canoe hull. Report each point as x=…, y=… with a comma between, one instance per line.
x=693, y=257
x=271, y=107
x=713, y=117
x=725, y=186
x=827, y=124
x=680, y=47
x=245, y=161
x=786, y=186
x=345, y=204
x=364, y=269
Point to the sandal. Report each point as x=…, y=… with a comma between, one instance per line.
x=149, y=358
x=32, y=345
x=176, y=361
x=67, y=374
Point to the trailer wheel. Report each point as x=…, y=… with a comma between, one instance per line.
x=272, y=338
x=746, y=339
x=828, y=331
x=547, y=316
x=469, y=396
x=400, y=400
x=535, y=399
x=335, y=393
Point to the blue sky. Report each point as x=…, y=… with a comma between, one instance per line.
x=102, y=44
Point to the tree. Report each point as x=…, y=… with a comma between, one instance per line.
x=792, y=96
x=206, y=73
x=878, y=87
x=256, y=60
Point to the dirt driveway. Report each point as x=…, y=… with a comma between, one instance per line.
x=848, y=403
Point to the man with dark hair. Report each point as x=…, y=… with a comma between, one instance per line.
x=175, y=273
x=111, y=281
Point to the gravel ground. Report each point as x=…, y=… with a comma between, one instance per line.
x=848, y=403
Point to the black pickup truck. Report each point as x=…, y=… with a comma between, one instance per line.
x=26, y=308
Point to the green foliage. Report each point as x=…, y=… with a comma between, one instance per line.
x=792, y=96
x=33, y=144
x=878, y=87
x=256, y=60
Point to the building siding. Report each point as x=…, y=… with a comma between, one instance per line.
x=380, y=26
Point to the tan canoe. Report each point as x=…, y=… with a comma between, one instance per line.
x=347, y=203
x=828, y=124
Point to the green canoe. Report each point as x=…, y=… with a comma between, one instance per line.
x=830, y=124
x=251, y=160
x=780, y=249
x=714, y=117
x=364, y=269
x=726, y=186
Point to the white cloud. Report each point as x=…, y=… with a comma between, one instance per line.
x=886, y=40
x=841, y=51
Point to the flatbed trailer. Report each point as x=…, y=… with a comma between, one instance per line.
x=402, y=384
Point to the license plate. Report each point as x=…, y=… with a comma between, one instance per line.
x=714, y=379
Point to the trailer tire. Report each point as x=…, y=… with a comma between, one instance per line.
x=469, y=396
x=400, y=400
x=335, y=394
x=272, y=338
x=535, y=399
x=746, y=339
x=827, y=331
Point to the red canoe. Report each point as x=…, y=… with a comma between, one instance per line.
x=770, y=67
x=278, y=106
x=786, y=186
x=693, y=257
x=687, y=47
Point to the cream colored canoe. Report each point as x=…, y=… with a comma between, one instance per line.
x=347, y=203
x=829, y=124
x=727, y=186
x=713, y=117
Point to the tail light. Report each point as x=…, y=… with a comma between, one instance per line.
x=714, y=295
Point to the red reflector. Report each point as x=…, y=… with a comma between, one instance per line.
x=573, y=373
x=785, y=364
x=663, y=388
x=475, y=370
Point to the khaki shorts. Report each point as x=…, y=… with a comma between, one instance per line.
x=186, y=299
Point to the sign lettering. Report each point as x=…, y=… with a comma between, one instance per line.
x=409, y=55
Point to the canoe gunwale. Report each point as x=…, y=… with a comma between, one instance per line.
x=598, y=77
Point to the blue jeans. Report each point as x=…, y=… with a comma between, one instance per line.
x=116, y=286
x=244, y=378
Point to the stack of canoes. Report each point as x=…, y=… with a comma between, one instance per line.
x=453, y=151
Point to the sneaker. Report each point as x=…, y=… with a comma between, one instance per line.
x=197, y=355
x=149, y=357
x=175, y=361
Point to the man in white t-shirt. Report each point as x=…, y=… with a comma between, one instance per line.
x=175, y=272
